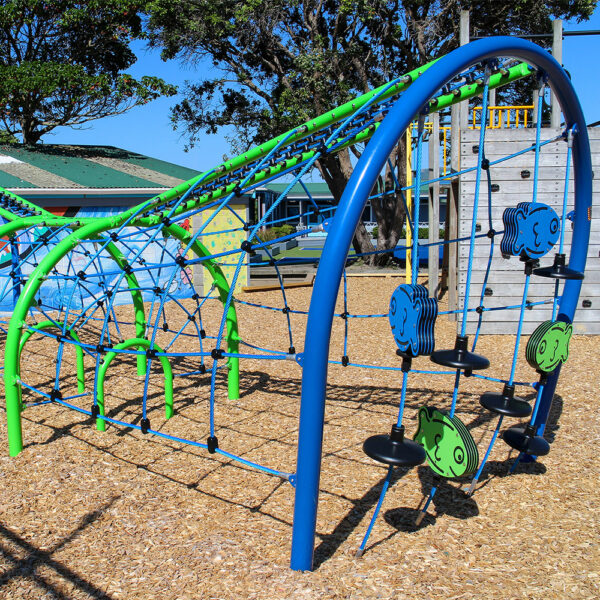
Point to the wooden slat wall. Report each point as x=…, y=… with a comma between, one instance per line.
x=506, y=278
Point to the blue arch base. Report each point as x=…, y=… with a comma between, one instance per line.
x=320, y=316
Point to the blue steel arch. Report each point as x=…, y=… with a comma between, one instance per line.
x=331, y=265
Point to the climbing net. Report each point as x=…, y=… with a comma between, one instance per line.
x=128, y=285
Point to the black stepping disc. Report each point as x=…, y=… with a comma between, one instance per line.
x=394, y=450
x=506, y=403
x=558, y=270
x=459, y=357
x=522, y=438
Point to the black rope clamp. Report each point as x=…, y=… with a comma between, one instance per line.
x=485, y=164
x=246, y=246
x=202, y=334
x=491, y=233
x=95, y=411
x=157, y=290
x=285, y=310
x=145, y=425
x=479, y=310
x=345, y=315
x=81, y=275
x=55, y=395
x=165, y=221
x=213, y=443
x=530, y=265
x=165, y=326
x=202, y=369
x=217, y=353
x=323, y=149
x=180, y=260
x=345, y=361
x=191, y=317
x=292, y=350
x=151, y=353
x=127, y=268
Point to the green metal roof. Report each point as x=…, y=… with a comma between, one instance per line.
x=50, y=166
x=315, y=189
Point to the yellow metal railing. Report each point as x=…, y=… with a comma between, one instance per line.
x=504, y=116
x=499, y=117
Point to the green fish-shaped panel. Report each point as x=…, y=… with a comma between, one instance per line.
x=548, y=345
x=450, y=448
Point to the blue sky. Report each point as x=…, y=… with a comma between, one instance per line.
x=148, y=129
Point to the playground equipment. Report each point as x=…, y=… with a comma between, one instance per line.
x=67, y=279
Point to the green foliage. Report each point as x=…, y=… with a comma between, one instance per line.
x=62, y=63
x=6, y=137
x=272, y=233
x=281, y=62
x=278, y=63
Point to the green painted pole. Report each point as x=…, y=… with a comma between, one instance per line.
x=136, y=297
x=168, y=374
x=17, y=322
x=78, y=350
x=222, y=285
x=10, y=228
x=461, y=94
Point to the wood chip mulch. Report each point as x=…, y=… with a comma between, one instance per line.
x=120, y=515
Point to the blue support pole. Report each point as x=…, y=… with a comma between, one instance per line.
x=320, y=317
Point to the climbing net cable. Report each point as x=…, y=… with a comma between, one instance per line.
x=126, y=286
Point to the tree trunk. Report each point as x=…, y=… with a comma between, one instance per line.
x=336, y=170
x=388, y=207
x=29, y=130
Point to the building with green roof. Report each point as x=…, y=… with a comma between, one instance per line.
x=66, y=179
x=63, y=176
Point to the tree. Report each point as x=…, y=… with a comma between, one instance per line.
x=280, y=62
x=7, y=138
x=62, y=63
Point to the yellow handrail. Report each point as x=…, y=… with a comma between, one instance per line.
x=503, y=116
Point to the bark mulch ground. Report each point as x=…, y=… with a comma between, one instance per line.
x=120, y=515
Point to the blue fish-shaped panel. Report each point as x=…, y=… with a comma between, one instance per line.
x=529, y=228
x=412, y=319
